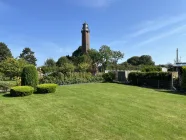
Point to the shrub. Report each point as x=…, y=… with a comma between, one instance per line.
x=46, y=88
x=1, y=76
x=183, y=81
x=73, y=78
x=151, y=69
x=135, y=77
x=29, y=76
x=109, y=77
x=5, y=86
x=21, y=91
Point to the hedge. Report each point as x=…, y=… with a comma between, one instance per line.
x=134, y=76
x=72, y=78
x=21, y=91
x=46, y=88
x=183, y=81
x=29, y=76
x=108, y=77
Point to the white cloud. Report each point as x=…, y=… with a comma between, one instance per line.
x=163, y=35
x=154, y=25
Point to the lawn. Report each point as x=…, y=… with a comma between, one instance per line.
x=94, y=112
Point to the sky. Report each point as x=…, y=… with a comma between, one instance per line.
x=52, y=28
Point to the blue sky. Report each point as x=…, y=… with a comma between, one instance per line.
x=52, y=28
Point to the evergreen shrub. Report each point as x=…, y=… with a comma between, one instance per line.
x=109, y=77
x=21, y=91
x=183, y=81
x=46, y=88
x=29, y=76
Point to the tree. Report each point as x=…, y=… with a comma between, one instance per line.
x=116, y=55
x=134, y=61
x=127, y=66
x=146, y=60
x=77, y=52
x=50, y=62
x=83, y=67
x=12, y=67
x=142, y=60
x=4, y=52
x=96, y=60
x=28, y=55
x=66, y=68
x=49, y=66
x=106, y=54
x=62, y=60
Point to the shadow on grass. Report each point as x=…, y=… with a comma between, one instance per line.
x=7, y=95
x=171, y=92
x=183, y=93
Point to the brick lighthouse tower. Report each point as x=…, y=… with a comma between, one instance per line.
x=85, y=38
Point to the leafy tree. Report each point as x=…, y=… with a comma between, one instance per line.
x=49, y=66
x=116, y=55
x=50, y=62
x=28, y=55
x=106, y=55
x=62, y=60
x=96, y=60
x=77, y=52
x=66, y=68
x=4, y=52
x=127, y=66
x=146, y=60
x=83, y=67
x=142, y=60
x=134, y=61
x=12, y=67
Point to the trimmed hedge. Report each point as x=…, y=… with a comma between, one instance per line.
x=108, y=77
x=135, y=76
x=21, y=91
x=183, y=80
x=46, y=88
x=29, y=76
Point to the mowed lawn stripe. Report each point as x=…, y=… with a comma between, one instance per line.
x=95, y=111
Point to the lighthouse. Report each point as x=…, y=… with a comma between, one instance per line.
x=85, y=38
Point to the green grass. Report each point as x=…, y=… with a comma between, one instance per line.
x=94, y=112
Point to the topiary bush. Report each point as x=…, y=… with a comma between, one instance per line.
x=29, y=76
x=183, y=80
x=46, y=88
x=108, y=77
x=21, y=91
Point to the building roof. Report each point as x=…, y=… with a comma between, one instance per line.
x=179, y=64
